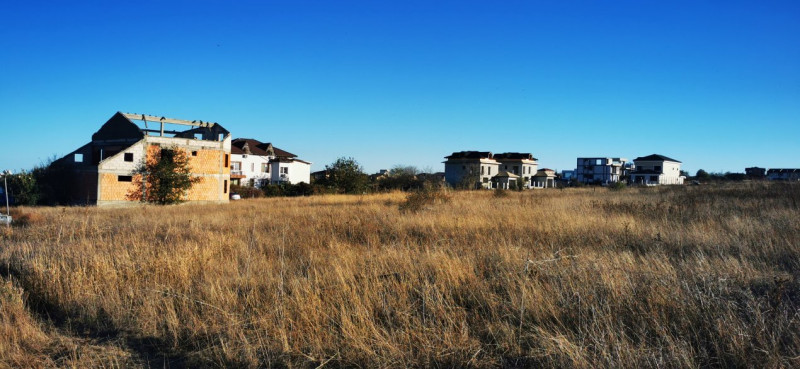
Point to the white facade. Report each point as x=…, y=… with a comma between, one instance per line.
x=657, y=170
x=468, y=165
x=524, y=168
x=258, y=164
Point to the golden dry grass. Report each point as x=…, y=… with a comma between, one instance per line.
x=655, y=277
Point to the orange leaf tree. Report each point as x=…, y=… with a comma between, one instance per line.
x=164, y=177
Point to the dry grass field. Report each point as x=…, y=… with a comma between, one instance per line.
x=695, y=276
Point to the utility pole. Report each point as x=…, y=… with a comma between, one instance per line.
x=5, y=190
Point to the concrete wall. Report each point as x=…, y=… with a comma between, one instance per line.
x=484, y=169
x=207, y=160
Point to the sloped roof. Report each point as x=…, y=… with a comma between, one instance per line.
x=655, y=157
x=118, y=127
x=514, y=156
x=470, y=155
x=505, y=173
x=257, y=147
x=545, y=172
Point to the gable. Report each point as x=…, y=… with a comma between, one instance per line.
x=118, y=128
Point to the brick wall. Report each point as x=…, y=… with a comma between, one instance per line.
x=112, y=189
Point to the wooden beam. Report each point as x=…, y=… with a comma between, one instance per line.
x=152, y=118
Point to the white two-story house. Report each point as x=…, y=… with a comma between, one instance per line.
x=471, y=169
x=656, y=170
x=600, y=170
x=257, y=164
x=522, y=164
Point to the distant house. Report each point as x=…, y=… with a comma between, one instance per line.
x=522, y=165
x=505, y=180
x=102, y=171
x=755, y=172
x=257, y=164
x=473, y=169
x=600, y=170
x=544, y=178
x=783, y=174
x=657, y=170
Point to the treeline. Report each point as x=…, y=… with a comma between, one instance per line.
x=50, y=183
x=347, y=176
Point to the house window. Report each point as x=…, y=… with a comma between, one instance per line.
x=653, y=178
x=284, y=170
x=516, y=169
x=657, y=168
x=194, y=153
x=252, y=167
x=78, y=158
x=227, y=160
x=128, y=156
x=236, y=165
x=489, y=170
x=124, y=178
x=264, y=168
x=225, y=186
x=481, y=169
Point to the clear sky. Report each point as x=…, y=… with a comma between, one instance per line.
x=715, y=84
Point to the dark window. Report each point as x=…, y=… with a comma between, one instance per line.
x=225, y=186
x=194, y=153
x=657, y=168
x=227, y=161
x=653, y=178
x=128, y=156
x=124, y=178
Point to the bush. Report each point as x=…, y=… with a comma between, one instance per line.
x=291, y=190
x=500, y=193
x=423, y=198
x=616, y=186
x=247, y=192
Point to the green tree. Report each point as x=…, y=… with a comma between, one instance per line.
x=702, y=174
x=346, y=176
x=164, y=177
x=22, y=187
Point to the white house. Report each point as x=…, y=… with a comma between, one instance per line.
x=656, y=170
x=257, y=164
x=522, y=165
x=544, y=178
x=470, y=168
x=600, y=170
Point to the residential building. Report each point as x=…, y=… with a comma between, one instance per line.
x=783, y=174
x=755, y=173
x=600, y=170
x=257, y=164
x=544, y=178
x=505, y=180
x=523, y=165
x=657, y=170
x=473, y=169
x=102, y=171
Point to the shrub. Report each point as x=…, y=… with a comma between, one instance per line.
x=247, y=192
x=423, y=198
x=616, y=186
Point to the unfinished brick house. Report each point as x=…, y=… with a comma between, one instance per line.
x=102, y=170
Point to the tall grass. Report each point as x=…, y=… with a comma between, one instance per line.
x=668, y=277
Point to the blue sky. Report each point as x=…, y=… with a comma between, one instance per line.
x=715, y=84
